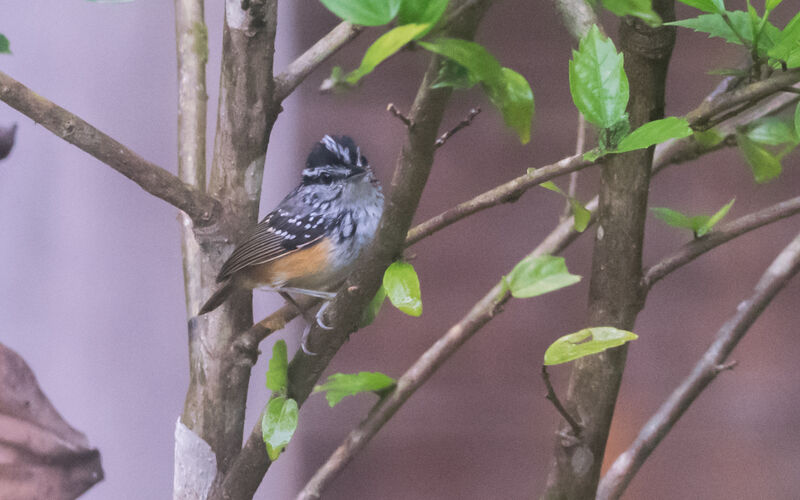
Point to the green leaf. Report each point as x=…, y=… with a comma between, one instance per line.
x=771, y=4
x=384, y=47
x=608, y=139
x=364, y=12
x=5, y=45
x=653, y=133
x=593, y=154
x=552, y=187
x=340, y=385
x=770, y=130
x=585, y=342
x=643, y=9
x=713, y=6
x=765, y=165
x=474, y=57
x=712, y=221
x=278, y=425
x=452, y=74
x=373, y=308
x=581, y=215
x=787, y=45
x=508, y=90
x=597, y=80
x=402, y=287
x=715, y=26
x=797, y=122
x=534, y=276
x=514, y=99
x=421, y=11
x=278, y=374
x=673, y=218
x=708, y=138
x=698, y=224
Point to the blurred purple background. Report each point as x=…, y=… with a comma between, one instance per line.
x=91, y=288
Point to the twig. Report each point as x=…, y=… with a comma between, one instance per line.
x=666, y=154
x=203, y=209
x=703, y=114
x=580, y=145
x=247, y=342
x=504, y=193
x=551, y=396
x=791, y=90
x=425, y=366
x=191, y=39
x=412, y=170
x=391, y=108
x=718, y=236
x=301, y=67
x=463, y=123
x=782, y=269
x=578, y=17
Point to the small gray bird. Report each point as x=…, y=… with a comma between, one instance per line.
x=311, y=241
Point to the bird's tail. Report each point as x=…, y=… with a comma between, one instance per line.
x=217, y=299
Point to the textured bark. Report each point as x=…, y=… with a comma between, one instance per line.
x=215, y=401
x=615, y=295
x=411, y=173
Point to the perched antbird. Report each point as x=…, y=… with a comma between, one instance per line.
x=310, y=242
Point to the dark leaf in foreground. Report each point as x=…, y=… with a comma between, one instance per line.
x=43, y=456
x=7, y=135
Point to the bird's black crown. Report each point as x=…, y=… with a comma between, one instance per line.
x=332, y=159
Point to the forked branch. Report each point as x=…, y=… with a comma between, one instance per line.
x=777, y=275
x=203, y=209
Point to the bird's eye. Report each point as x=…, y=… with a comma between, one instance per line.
x=325, y=177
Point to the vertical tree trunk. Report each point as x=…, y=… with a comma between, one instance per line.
x=216, y=399
x=615, y=295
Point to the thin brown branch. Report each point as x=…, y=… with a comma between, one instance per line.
x=411, y=174
x=718, y=236
x=246, y=344
x=580, y=147
x=392, y=109
x=553, y=398
x=486, y=309
x=704, y=114
x=782, y=269
x=191, y=36
x=318, y=53
x=202, y=209
x=614, y=295
x=666, y=154
x=407, y=384
x=578, y=17
x=463, y=123
x=504, y=193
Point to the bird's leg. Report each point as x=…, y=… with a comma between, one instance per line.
x=305, y=314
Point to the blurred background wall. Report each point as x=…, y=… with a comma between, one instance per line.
x=91, y=288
